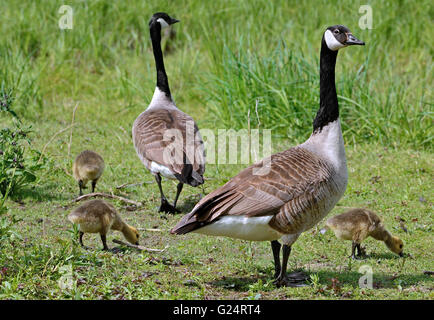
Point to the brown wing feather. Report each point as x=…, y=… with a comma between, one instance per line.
x=150, y=142
x=285, y=192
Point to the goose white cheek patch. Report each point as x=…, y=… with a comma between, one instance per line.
x=163, y=23
x=331, y=41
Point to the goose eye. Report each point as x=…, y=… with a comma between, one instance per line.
x=336, y=31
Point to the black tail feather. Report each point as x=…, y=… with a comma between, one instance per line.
x=185, y=226
x=189, y=176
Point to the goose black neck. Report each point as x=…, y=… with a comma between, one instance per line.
x=328, y=102
x=162, y=81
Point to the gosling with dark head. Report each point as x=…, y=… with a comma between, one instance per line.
x=88, y=166
x=358, y=224
x=98, y=216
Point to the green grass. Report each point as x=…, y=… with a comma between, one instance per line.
x=225, y=56
x=195, y=266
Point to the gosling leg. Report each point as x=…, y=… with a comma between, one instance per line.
x=80, y=238
x=104, y=241
x=359, y=250
x=81, y=234
x=353, y=250
x=93, y=185
x=80, y=186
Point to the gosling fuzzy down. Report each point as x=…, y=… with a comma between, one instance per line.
x=88, y=166
x=98, y=216
x=357, y=225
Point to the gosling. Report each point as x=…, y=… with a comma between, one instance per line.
x=98, y=216
x=88, y=165
x=357, y=225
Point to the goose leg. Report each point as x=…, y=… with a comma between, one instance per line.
x=275, y=246
x=296, y=279
x=178, y=192
x=282, y=278
x=165, y=206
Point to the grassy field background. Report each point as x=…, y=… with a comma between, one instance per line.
x=224, y=57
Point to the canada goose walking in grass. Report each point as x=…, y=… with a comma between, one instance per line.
x=358, y=224
x=88, y=166
x=302, y=185
x=166, y=139
x=98, y=216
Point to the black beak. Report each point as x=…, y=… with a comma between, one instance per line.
x=352, y=40
x=137, y=243
x=401, y=254
x=174, y=21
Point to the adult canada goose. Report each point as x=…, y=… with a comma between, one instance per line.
x=98, y=216
x=358, y=224
x=166, y=139
x=301, y=187
x=88, y=166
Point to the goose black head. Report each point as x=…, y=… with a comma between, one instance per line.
x=339, y=36
x=163, y=19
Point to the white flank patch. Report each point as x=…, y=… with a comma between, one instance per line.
x=163, y=170
x=163, y=23
x=331, y=41
x=240, y=227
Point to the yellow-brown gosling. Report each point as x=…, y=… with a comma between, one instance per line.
x=98, y=216
x=357, y=225
x=88, y=166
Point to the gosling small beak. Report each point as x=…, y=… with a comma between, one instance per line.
x=352, y=40
x=137, y=243
x=401, y=254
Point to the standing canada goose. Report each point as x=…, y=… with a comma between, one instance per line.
x=88, y=165
x=166, y=139
x=98, y=216
x=357, y=225
x=302, y=185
